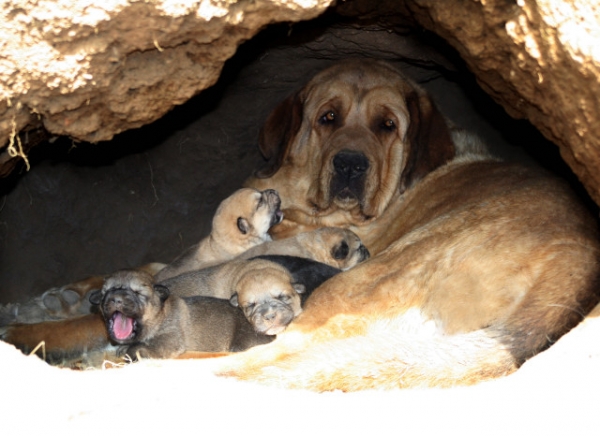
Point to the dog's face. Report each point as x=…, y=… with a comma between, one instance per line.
x=269, y=299
x=130, y=302
x=350, y=142
x=244, y=218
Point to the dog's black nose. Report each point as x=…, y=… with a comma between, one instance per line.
x=350, y=164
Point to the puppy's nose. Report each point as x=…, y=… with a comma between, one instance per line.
x=350, y=164
x=269, y=316
x=116, y=299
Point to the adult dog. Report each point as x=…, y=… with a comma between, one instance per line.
x=477, y=264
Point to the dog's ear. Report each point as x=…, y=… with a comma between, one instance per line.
x=277, y=133
x=234, y=300
x=340, y=251
x=243, y=225
x=299, y=288
x=162, y=291
x=428, y=137
x=95, y=296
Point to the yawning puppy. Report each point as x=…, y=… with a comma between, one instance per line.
x=147, y=321
x=242, y=221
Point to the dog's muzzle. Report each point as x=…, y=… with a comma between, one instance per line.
x=349, y=171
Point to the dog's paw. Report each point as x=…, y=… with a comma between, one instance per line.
x=60, y=303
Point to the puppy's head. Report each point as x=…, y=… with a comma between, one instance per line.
x=269, y=298
x=243, y=219
x=357, y=135
x=130, y=303
x=342, y=248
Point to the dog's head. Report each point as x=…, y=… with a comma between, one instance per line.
x=268, y=297
x=130, y=303
x=337, y=247
x=354, y=138
x=243, y=219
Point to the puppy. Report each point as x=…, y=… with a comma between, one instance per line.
x=334, y=246
x=269, y=289
x=148, y=321
x=242, y=221
x=270, y=307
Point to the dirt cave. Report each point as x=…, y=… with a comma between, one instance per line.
x=149, y=193
x=118, y=143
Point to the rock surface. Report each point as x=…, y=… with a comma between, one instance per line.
x=540, y=59
x=90, y=70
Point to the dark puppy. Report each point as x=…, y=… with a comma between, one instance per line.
x=270, y=307
x=149, y=322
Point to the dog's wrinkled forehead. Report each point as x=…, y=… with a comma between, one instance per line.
x=369, y=87
x=361, y=75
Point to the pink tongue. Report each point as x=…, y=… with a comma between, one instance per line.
x=123, y=326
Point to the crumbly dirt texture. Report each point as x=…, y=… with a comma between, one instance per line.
x=90, y=70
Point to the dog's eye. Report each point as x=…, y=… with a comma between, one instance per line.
x=250, y=305
x=388, y=125
x=327, y=118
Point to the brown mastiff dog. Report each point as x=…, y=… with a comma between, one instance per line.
x=477, y=264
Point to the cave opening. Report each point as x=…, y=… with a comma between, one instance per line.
x=149, y=193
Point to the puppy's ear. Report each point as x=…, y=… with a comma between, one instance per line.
x=299, y=288
x=243, y=225
x=234, y=300
x=95, y=296
x=162, y=291
x=340, y=251
x=428, y=137
x=277, y=133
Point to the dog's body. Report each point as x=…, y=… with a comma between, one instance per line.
x=336, y=247
x=477, y=264
x=241, y=222
x=147, y=321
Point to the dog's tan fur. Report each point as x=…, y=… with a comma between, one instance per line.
x=339, y=248
x=477, y=264
x=241, y=222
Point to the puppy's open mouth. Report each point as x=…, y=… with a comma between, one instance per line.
x=122, y=326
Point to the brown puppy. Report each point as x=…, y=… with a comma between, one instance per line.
x=269, y=289
x=147, y=321
x=339, y=248
x=242, y=221
x=271, y=305
x=477, y=264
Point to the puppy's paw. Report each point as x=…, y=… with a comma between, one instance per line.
x=61, y=303
x=134, y=353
